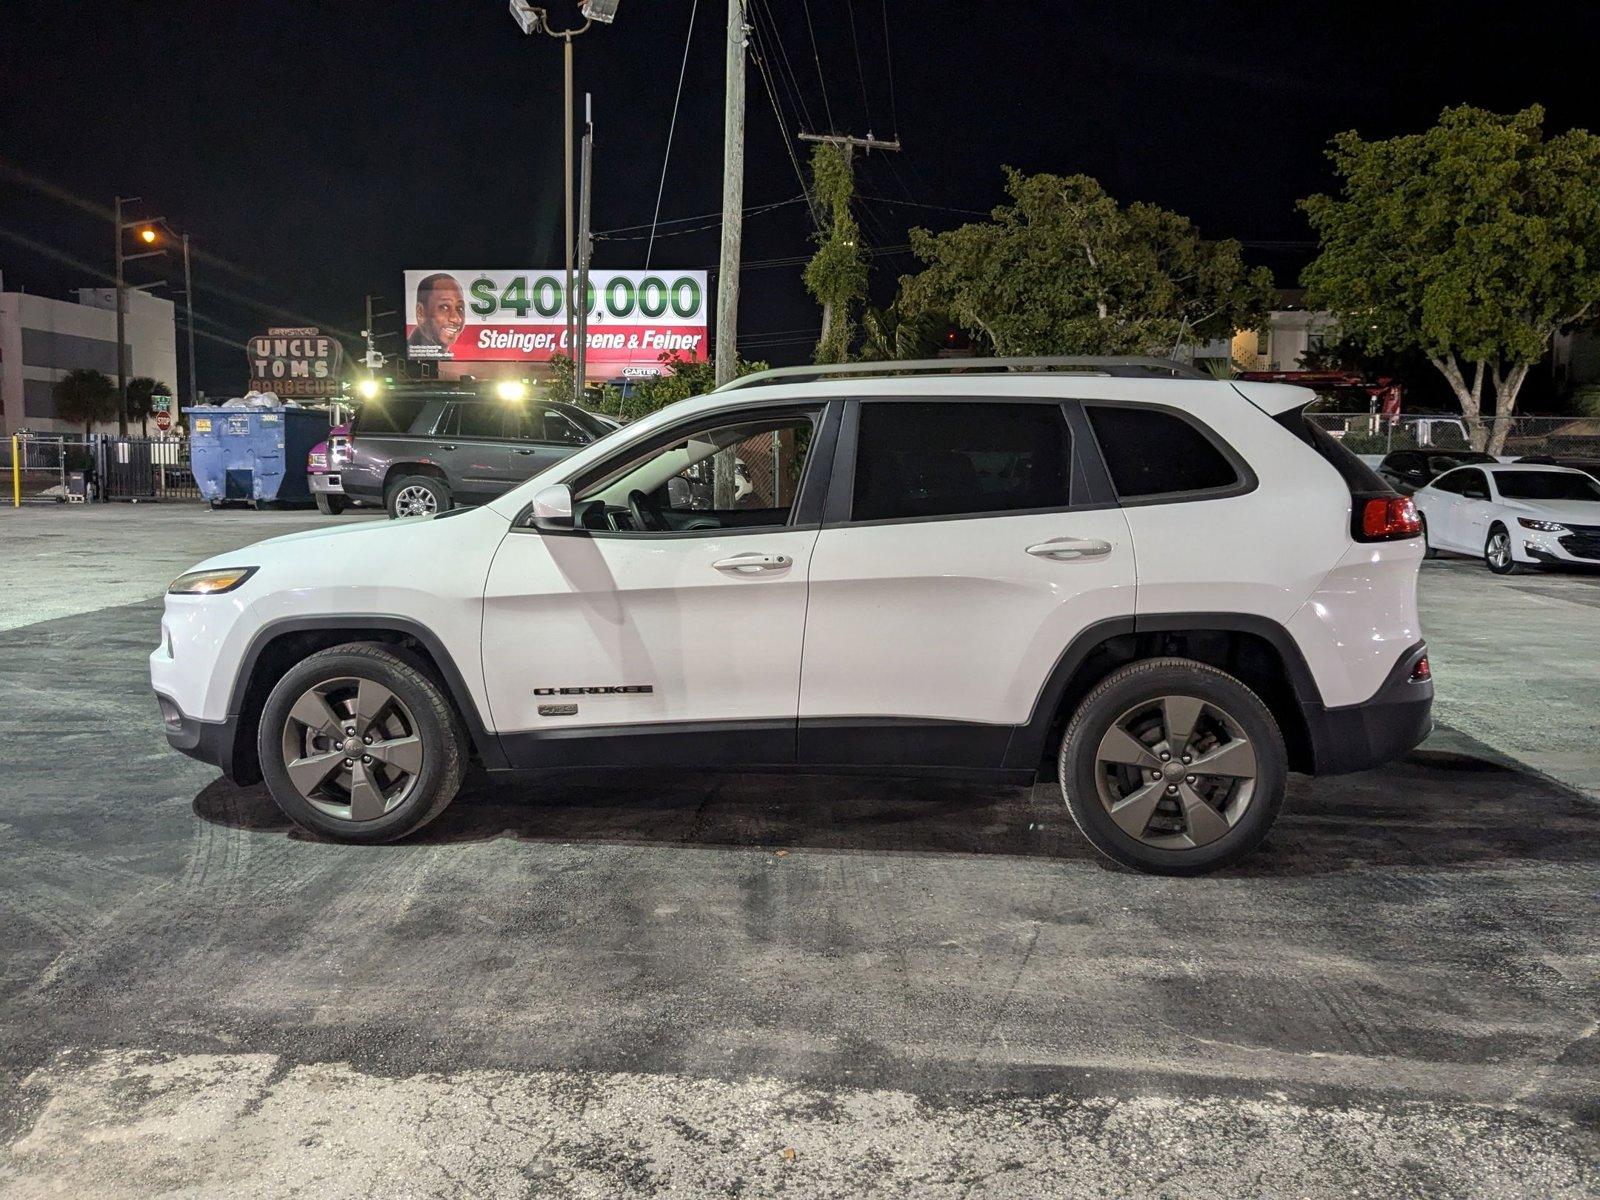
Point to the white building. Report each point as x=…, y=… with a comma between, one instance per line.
x=42, y=339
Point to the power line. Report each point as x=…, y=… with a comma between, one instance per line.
x=821, y=79
x=971, y=212
x=785, y=68
x=754, y=210
x=888, y=55
x=861, y=74
x=671, y=128
x=761, y=56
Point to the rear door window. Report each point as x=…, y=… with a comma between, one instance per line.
x=478, y=421
x=917, y=459
x=1151, y=452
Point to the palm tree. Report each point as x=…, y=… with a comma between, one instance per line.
x=85, y=395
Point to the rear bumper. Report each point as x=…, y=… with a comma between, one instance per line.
x=1396, y=719
x=209, y=741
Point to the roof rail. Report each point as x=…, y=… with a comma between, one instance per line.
x=1123, y=366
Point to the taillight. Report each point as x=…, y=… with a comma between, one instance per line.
x=1422, y=672
x=339, y=451
x=1387, y=519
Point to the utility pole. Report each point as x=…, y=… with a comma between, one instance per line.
x=566, y=176
x=848, y=145
x=585, y=246
x=732, y=198
x=188, y=304
x=122, y=353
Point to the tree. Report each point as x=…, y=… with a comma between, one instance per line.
x=837, y=273
x=1474, y=242
x=1065, y=269
x=85, y=395
x=140, y=389
x=888, y=333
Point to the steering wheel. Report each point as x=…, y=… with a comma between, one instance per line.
x=643, y=511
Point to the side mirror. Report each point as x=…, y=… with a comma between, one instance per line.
x=552, y=508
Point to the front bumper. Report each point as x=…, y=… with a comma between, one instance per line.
x=1396, y=719
x=327, y=482
x=211, y=742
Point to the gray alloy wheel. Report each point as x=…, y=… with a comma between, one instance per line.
x=1176, y=772
x=351, y=749
x=1497, y=555
x=361, y=743
x=415, y=500
x=1172, y=766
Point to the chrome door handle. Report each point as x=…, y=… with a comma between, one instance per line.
x=753, y=564
x=444, y=446
x=1065, y=549
x=519, y=450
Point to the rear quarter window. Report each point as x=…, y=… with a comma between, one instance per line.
x=1152, y=452
x=391, y=414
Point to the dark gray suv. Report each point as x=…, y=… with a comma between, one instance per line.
x=420, y=451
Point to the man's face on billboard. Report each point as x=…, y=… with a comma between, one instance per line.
x=442, y=312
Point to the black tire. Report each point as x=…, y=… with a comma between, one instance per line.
x=329, y=504
x=1427, y=547
x=432, y=719
x=1510, y=565
x=1144, y=683
x=399, y=489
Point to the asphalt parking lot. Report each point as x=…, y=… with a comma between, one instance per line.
x=730, y=985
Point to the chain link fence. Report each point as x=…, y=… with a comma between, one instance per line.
x=1372, y=434
x=48, y=469
x=53, y=468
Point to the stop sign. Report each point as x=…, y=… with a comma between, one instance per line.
x=163, y=421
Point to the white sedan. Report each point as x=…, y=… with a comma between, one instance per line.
x=1513, y=514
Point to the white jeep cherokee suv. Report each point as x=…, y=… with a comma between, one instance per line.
x=1172, y=587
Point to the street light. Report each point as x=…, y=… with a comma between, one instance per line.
x=148, y=234
x=368, y=389
x=537, y=20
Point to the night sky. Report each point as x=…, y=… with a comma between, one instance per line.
x=315, y=151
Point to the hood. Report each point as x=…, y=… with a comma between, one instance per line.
x=407, y=536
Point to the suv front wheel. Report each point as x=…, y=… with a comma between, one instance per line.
x=1173, y=767
x=359, y=744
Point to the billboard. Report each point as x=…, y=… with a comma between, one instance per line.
x=485, y=316
x=301, y=362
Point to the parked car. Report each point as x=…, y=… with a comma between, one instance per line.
x=1513, y=514
x=958, y=554
x=324, y=470
x=1588, y=465
x=1407, y=470
x=425, y=450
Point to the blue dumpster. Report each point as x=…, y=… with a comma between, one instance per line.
x=253, y=455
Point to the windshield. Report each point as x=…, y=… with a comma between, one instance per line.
x=1546, y=485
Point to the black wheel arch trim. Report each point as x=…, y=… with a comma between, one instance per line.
x=486, y=743
x=1341, y=738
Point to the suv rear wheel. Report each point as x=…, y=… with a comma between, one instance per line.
x=359, y=744
x=1173, y=767
x=418, y=496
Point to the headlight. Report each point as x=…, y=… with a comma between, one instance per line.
x=209, y=583
x=1542, y=526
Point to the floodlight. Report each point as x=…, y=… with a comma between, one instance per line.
x=511, y=389
x=604, y=11
x=368, y=389
x=528, y=18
